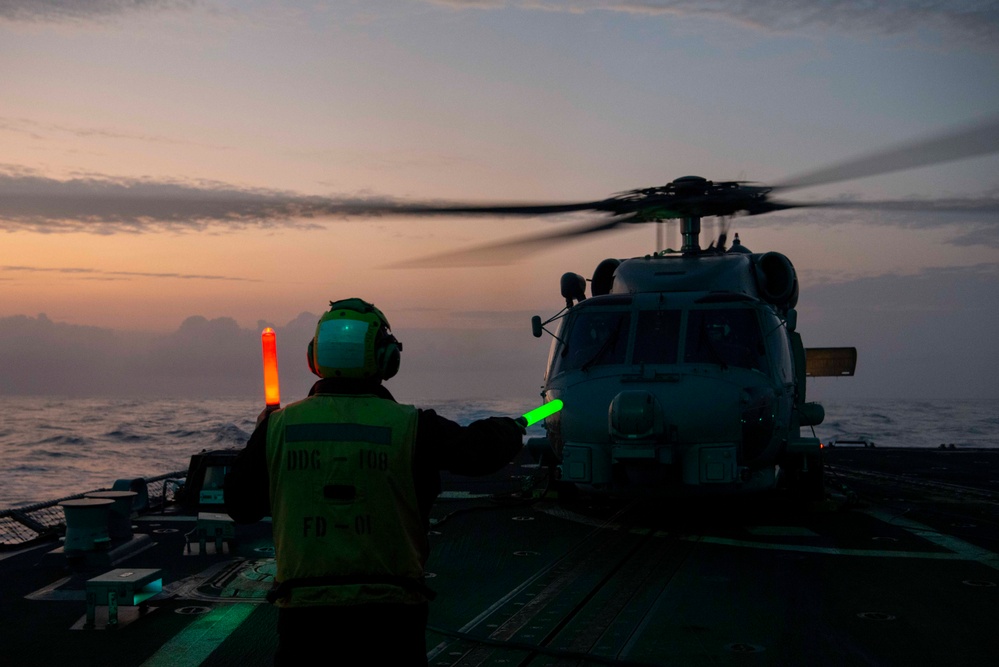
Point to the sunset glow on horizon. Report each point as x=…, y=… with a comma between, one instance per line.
x=250, y=114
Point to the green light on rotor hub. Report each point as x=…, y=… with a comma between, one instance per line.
x=539, y=413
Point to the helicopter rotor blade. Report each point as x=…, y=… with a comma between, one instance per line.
x=976, y=139
x=135, y=204
x=984, y=205
x=495, y=209
x=458, y=208
x=505, y=252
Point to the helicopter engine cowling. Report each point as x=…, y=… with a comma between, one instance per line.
x=603, y=277
x=776, y=280
x=793, y=299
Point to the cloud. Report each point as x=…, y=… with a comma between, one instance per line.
x=217, y=357
x=102, y=274
x=976, y=21
x=937, y=289
x=960, y=22
x=972, y=220
x=104, y=205
x=929, y=334
x=201, y=358
x=39, y=11
x=40, y=131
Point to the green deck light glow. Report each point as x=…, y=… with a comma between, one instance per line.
x=192, y=645
x=539, y=413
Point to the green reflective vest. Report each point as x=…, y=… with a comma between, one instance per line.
x=347, y=527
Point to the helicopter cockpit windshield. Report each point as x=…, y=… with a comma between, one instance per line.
x=656, y=340
x=727, y=337
x=596, y=338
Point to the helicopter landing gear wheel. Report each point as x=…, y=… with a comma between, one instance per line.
x=812, y=480
x=564, y=491
x=804, y=478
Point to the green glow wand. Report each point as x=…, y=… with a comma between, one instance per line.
x=539, y=413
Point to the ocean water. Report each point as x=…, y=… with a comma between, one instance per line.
x=52, y=447
x=55, y=447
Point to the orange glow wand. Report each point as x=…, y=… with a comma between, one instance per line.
x=272, y=389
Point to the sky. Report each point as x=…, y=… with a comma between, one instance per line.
x=166, y=165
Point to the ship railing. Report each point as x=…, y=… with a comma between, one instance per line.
x=20, y=526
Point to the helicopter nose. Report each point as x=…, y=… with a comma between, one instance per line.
x=635, y=416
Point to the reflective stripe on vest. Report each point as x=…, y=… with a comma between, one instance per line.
x=343, y=501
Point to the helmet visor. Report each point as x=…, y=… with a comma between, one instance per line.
x=341, y=343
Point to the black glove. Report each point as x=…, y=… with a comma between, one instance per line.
x=512, y=430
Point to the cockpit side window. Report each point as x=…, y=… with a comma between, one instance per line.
x=657, y=338
x=727, y=337
x=594, y=338
x=780, y=348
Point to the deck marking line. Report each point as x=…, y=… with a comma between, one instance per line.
x=462, y=495
x=530, y=581
x=52, y=592
x=965, y=549
x=560, y=513
x=193, y=644
x=781, y=531
x=489, y=611
x=832, y=551
x=160, y=518
x=467, y=628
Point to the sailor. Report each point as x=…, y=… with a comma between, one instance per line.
x=349, y=475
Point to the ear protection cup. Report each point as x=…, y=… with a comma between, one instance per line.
x=309, y=357
x=388, y=356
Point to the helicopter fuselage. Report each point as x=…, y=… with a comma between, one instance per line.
x=681, y=378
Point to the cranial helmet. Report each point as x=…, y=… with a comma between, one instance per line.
x=354, y=341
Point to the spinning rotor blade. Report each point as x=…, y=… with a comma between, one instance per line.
x=504, y=252
x=981, y=138
x=38, y=203
x=474, y=209
x=987, y=205
x=696, y=197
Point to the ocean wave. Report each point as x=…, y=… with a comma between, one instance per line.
x=884, y=419
x=230, y=434
x=182, y=433
x=124, y=435
x=54, y=456
x=66, y=440
x=55, y=447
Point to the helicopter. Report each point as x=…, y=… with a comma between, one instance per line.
x=682, y=371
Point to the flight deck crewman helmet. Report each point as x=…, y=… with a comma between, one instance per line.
x=354, y=341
